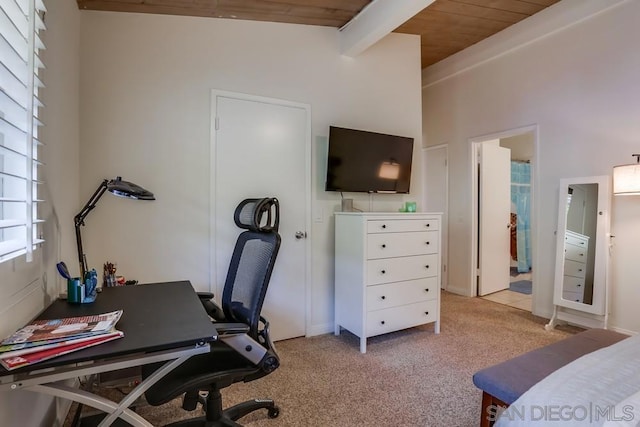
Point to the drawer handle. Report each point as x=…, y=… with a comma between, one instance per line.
x=384, y=225
x=579, y=269
x=382, y=322
x=426, y=266
x=383, y=271
x=384, y=246
x=427, y=243
x=426, y=312
x=578, y=285
x=581, y=254
x=383, y=297
x=428, y=225
x=426, y=290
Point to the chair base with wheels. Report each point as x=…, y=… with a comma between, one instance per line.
x=216, y=416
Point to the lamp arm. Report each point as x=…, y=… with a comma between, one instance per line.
x=79, y=221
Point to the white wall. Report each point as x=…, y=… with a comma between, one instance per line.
x=26, y=289
x=580, y=87
x=521, y=146
x=145, y=115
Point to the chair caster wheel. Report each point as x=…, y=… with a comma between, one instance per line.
x=274, y=412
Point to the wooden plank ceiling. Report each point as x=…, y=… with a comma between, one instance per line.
x=445, y=27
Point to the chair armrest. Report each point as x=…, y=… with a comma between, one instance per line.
x=212, y=309
x=205, y=295
x=225, y=328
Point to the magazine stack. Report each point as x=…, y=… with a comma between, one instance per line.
x=44, y=339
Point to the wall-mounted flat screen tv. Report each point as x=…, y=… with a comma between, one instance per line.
x=361, y=161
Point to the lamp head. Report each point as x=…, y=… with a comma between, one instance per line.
x=626, y=178
x=128, y=189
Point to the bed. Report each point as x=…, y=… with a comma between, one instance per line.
x=589, y=379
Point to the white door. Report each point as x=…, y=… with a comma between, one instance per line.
x=260, y=149
x=576, y=210
x=494, y=218
x=436, y=191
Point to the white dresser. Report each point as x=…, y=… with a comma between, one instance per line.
x=576, y=248
x=387, y=272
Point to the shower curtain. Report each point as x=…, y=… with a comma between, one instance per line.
x=521, y=202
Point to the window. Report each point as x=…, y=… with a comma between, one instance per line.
x=20, y=229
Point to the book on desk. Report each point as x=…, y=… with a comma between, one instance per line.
x=44, y=339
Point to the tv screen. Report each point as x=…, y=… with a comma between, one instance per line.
x=369, y=162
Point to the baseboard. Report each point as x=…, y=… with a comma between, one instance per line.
x=463, y=291
x=325, y=328
x=545, y=314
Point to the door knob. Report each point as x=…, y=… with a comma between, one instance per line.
x=301, y=235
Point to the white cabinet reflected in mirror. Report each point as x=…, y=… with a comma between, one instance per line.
x=579, y=256
x=582, y=250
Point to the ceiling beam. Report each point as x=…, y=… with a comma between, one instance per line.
x=375, y=21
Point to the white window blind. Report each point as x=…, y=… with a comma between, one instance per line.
x=21, y=21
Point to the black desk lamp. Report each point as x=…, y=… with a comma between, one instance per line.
x=116, y=186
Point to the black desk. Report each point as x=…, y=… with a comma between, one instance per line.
x=160, y=321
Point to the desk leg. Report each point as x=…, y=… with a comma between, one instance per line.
x=141, y=388
x=90, y=399
x=113, y=409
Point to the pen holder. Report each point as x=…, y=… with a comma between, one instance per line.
x=90, y=286
x=110, y=280
x=75, y=291
x=83, y=293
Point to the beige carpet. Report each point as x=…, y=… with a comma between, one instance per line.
x=408, y=378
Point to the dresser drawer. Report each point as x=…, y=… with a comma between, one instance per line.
x=406, y=316
x=574, y=268
x=572, y=296
x=573, y=284
x=401, y=225
x=401, y=293
x=575, y=240
x=387, y=245
x=389, y=270
x=575, y=253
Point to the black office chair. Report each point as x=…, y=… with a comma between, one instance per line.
x=244, y=351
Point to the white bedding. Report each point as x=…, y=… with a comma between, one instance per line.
x=599, y=389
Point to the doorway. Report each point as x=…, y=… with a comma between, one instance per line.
x=260, y=147
x=503, y=245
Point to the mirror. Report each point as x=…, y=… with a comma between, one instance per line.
x=582, y=241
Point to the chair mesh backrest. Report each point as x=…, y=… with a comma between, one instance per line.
x=252, y=261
